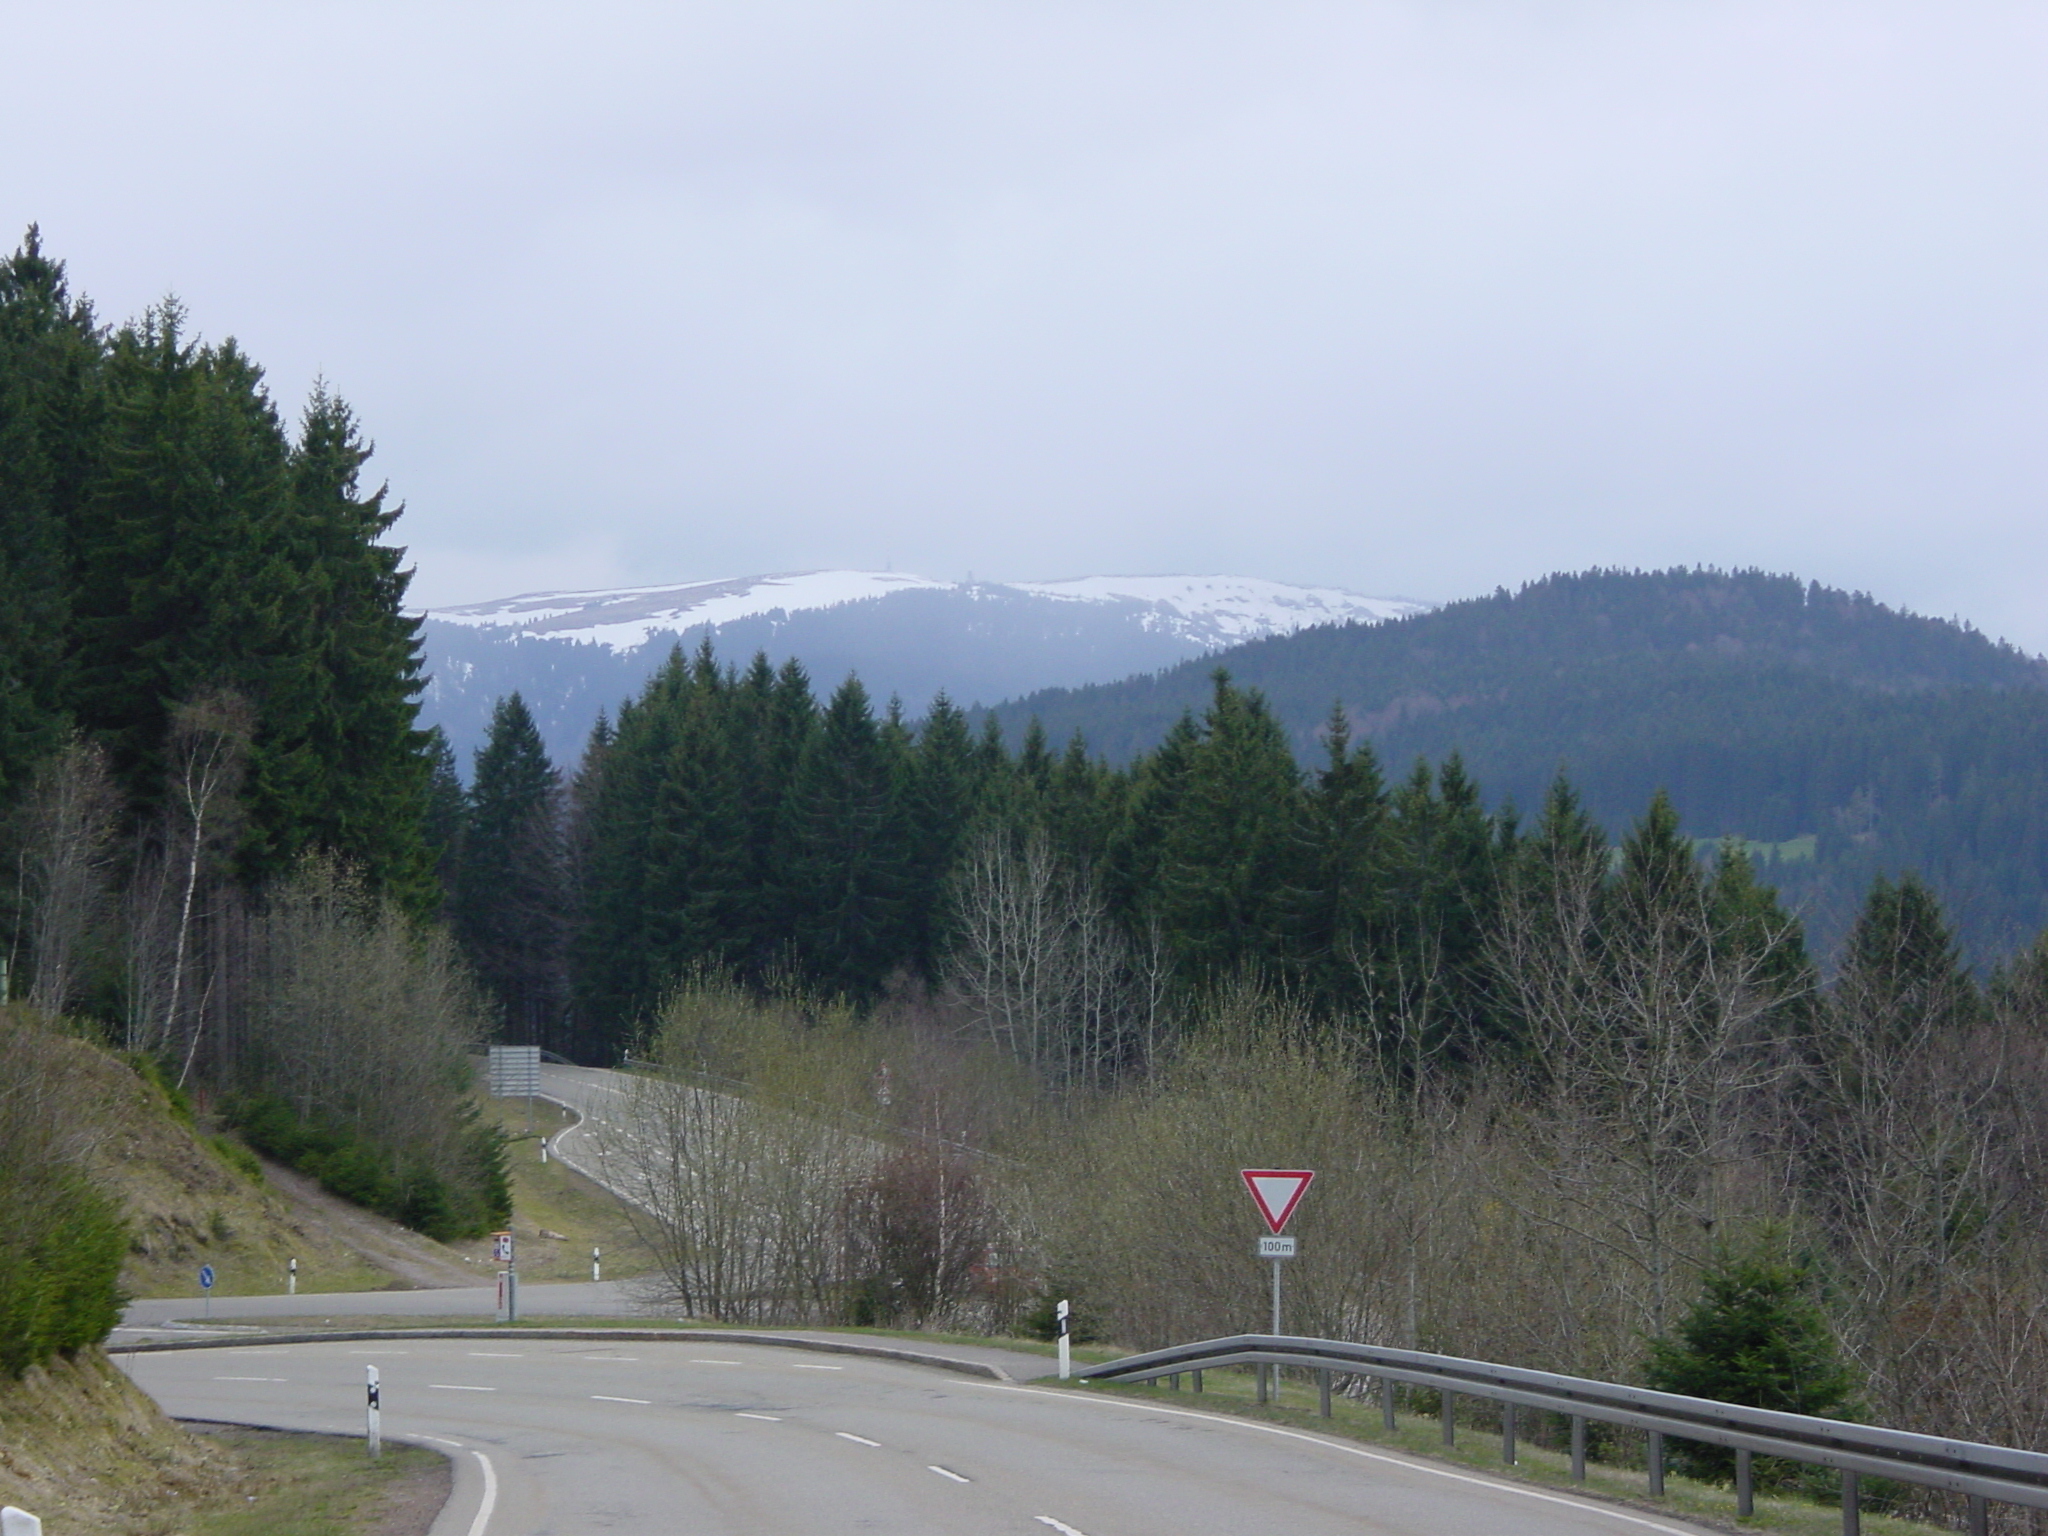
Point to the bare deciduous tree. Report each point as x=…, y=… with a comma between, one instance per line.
x=210, y=736
x=65, y=840
x=1041, y=969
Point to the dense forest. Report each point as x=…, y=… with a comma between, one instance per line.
x=214, y=791
x=1768, y=709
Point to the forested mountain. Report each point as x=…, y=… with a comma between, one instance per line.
x=1769, y=709
x=569, y=655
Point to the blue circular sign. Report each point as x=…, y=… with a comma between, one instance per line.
x=206, y=1277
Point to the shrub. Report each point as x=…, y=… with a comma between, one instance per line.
x=1756, y=1336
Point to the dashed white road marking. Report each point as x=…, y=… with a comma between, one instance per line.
x=599, y=1397
x=249, y=1378
x=609, y=1359
x=766, y=1418
x=694, y=1360
x=1584, y=1506
x=488, y=1354
x=817, y=1367
x=947, y=1472
x=857, y=1439
x=380, y=1351
x=443, y=1386
x=1059, y=1525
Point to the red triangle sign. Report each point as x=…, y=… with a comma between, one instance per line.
x=1277, y=1191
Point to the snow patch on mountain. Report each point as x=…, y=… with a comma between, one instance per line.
x=1208, y=611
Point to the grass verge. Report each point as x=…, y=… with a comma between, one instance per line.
x=1479, y=1449
x=319, y=1485
x=558, y=1215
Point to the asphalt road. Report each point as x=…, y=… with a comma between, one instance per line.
x=553, y=1438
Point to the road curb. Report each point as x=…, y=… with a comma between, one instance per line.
x=589, y=1335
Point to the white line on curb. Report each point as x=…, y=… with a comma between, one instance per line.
x=490, y=1498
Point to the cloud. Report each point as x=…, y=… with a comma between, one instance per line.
x=1411, y=297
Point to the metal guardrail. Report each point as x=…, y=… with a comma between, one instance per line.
x=1983, y=1474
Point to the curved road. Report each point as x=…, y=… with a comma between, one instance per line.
x=551, y=1438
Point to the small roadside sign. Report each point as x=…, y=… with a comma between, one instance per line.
x=1276, y=1247
x=206, y=1277
x=1276, y=1192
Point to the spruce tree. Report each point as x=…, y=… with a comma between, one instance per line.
x=186, y=583
x=51, y=404
x=1224, y=854
x=510, y=912
x=843, y=862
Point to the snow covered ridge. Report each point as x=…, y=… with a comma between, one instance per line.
x=1208, y=610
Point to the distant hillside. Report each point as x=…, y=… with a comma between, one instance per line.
x=1770, y=708
x=570, y=654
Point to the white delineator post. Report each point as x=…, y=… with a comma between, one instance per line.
x=1063, y=1312
x=291, y=1279
x=595, y=1273
x=373, y=1416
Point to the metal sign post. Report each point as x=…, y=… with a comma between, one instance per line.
x=1276, y=1192
x=374, y=1417
x=1064, y=1311
x=206, y=1285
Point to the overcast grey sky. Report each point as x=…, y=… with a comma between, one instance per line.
x=1411, y=298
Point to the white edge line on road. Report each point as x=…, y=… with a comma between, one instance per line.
x=439, y=1441
x=250, y=1378
x=766, y=1418
x=817, y=1367
x=695, y=1361
x=445, y=1386
x=947, y=1472
x=618, y=1359
x=482, y=1354
x=857, y=1439
x=1059, y=1525
x=599, y=1397
x=489, y=1501
x=1588, y=1505
x=358, y=1351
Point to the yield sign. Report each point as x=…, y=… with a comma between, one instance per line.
x=1277, y=1191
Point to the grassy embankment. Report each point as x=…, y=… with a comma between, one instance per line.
x=86, y=1450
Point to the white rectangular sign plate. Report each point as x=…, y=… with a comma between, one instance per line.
x=1276, y=1247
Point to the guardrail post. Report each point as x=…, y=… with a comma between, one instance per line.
x=1175, y=1380
x=1198, y=1379
x=1259, y=1377
x=1578, y=1447
x=1387, y=1402
x=1852, y=1505
x=1324, y=1383
x=1450, y=1416
x=1745, y=1484
x=1656, y=1460
x=1507, y=1433
x=1980, y=1516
